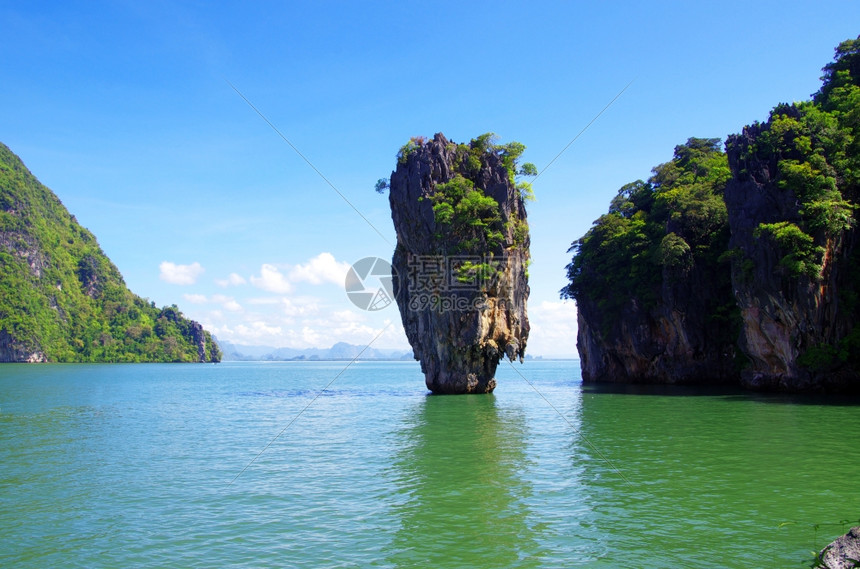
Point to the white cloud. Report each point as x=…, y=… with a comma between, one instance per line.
x=257, y=330
x=300, y=306
x=234, y=279
x=228, y=302
x=342, y=316
x=272, y=280
x=180, y=274
x=264, y=300
x=310, y=337
x=393, y=336
x=349, y=326
x=323, y=268
x=320, y=269
x=305, y=323
x=283, y=318
x=553, y=328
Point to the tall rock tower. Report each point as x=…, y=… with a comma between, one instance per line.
x=461, y=258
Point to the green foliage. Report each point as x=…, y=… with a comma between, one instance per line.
x=61, y=295
x=676, y=221
x=468, y=222
x=510, y=153
x=807, y=145
x=830, y=215
x=484, y=143
x=463, y=213
x=382, y=184
x=632, y=198
x=656, y=230
x=521, y=232
x=821, y=357
x=526, y=191
x=528, y=169
x=675, y=253
x=469, y=160
x=843, y=71
x=815, y=148
x=826, y=357
x=471, y=272
x=467, y=215
x=414, y=144
x=801, y=255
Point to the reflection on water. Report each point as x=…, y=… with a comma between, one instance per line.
x=463, y=494
x=130, y=466
x=715, y=471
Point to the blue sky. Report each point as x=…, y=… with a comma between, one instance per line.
x=124, y=110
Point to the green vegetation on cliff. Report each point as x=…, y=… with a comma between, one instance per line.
x=465, y=213
x=817, y=152
x=467, y=219
x=654, y=231
x=816, y=148
x=771, y=224
x=61, y=298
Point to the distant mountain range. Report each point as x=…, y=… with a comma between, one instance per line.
x=340, y=351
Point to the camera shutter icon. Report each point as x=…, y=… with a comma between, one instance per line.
x=369, y=284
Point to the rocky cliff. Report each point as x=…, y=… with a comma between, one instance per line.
x=461, y=257
x=678, y=341
x=787, y=271
x=740, y=267
x=651, y=290
x=62, y=299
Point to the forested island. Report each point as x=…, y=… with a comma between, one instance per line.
x=63, y=300
x=739, y=266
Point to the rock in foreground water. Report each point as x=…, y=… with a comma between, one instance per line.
x=843, y=553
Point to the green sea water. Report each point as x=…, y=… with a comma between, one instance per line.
x=254, y=465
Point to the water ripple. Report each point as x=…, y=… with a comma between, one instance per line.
x=131, y=466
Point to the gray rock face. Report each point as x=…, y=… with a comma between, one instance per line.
x=645, y=316
x=782, y=315
x=460, y=321
x=843, y=553
x=13, y=351
x=673, y=342
x=198, y=338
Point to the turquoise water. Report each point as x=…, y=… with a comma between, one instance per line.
x=168, y=466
